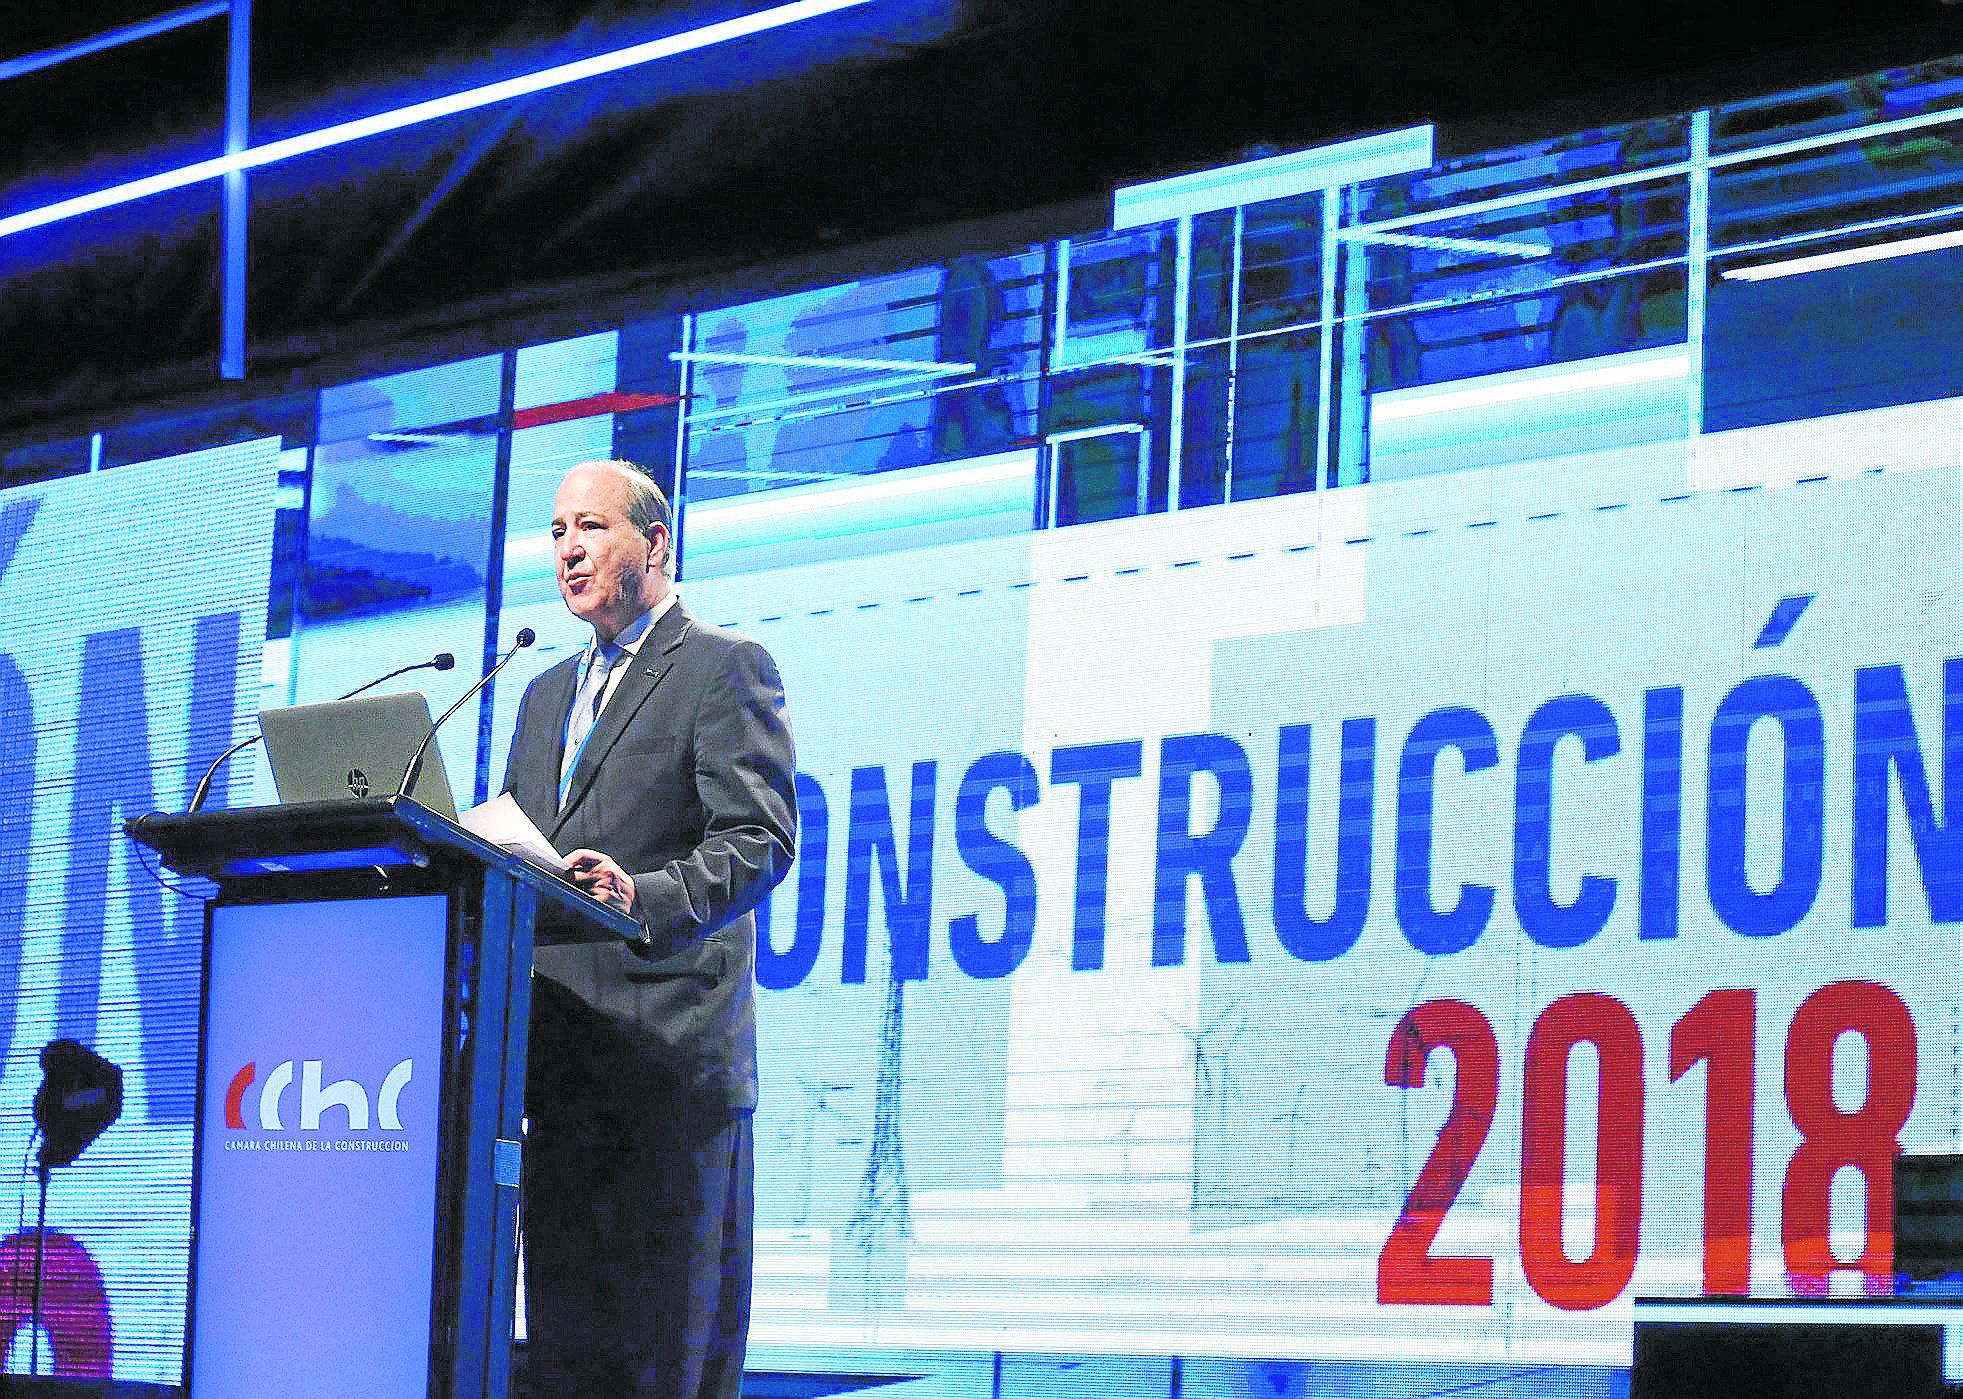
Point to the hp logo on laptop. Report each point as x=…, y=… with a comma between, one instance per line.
x=358, y=782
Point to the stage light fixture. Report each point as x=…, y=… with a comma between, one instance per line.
x=81, y=1094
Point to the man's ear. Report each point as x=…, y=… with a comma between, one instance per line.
x=658, y=546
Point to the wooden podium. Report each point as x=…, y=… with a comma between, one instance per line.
x=361, y=1073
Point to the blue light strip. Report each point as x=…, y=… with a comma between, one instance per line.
x=819, y=362
x=1846, y=257
x=1439, y=242
x=384, y=856
x=1840, y=230
x=1273, y=177
x=109, y=39
x=232, y=221
x=415, y=114
x=751, y=414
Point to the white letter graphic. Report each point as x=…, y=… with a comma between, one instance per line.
x=269, y=1097
x=345, y=1093
x=386, y=1114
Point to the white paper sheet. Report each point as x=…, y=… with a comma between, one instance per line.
x=501, y=822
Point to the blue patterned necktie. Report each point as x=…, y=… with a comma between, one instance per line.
x=586, y=708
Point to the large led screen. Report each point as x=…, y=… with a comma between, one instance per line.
x=1408, y=922
x=132, y=614
x=1381, y=761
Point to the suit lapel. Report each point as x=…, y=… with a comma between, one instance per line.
x=651, y=664
x=537, y=786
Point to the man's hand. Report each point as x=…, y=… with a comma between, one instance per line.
x=601, y=877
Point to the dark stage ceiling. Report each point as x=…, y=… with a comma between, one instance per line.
x=918, y=114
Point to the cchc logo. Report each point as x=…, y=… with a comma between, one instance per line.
x=314, y=1099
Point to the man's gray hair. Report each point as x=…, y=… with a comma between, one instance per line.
x=647, y=506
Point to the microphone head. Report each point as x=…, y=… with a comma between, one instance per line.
x=442, y=660
x=526, y=636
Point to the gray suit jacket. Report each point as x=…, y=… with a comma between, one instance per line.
x=687, y=781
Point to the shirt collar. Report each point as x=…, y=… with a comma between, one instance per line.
x=635, y=632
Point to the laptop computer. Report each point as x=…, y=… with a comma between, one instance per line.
x=354, y=748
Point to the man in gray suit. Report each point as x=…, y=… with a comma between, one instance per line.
x=661, y=759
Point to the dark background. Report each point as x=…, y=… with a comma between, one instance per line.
x=939, y=124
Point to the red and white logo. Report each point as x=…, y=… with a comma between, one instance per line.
x=345, y=1093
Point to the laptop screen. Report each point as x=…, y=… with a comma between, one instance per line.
x=354, y=748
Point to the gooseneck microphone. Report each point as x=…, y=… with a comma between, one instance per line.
x=526, y=636
x=442, y=660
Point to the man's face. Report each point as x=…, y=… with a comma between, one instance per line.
x=609, y=572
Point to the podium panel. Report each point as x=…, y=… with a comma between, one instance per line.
x=315, y=1206
x=361, y=1096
